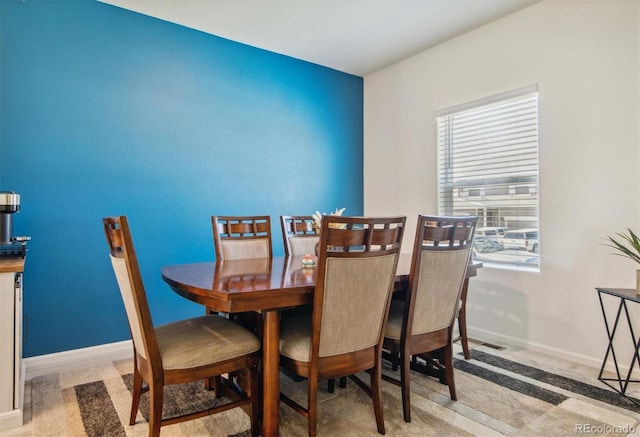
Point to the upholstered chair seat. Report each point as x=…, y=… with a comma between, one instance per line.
x=394, y=321
x=181, y=343
x=295, y=337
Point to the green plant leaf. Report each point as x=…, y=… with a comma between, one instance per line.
x=629, y=246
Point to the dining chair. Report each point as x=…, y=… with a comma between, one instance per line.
x=299, y=234
x=183, y=351
x=421, y=326
x=343, y=335
x=241, y=237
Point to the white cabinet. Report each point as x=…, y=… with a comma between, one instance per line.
x=11, y=372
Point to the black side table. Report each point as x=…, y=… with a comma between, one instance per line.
x=621, y=384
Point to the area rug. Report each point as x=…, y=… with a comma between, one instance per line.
x=498, y=395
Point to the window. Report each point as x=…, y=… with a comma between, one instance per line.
x=488, y=166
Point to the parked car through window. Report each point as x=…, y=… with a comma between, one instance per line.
x=521, y=239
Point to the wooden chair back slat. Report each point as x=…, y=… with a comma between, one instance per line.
x=127, y=271
x=239, y=229
x=299, y=235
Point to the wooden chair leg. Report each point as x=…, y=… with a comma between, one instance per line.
x=405, y=381
x=136, y=391
x=343, y=382
x=253, y=391
x=331, y=384
x=312, y=406
x=448, y=363
x=462, y=319
x=214, y=383
x=440, y=365
x=462, y=327
x=394, y=361
x=155, y=409
x=376, y=394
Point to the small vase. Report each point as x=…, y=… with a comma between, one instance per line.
x=638, y=282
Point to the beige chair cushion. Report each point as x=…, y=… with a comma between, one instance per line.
x=295, y=337
x=124, y=284
x=356, y=293
x=202, y=341
x=355, y=299
x=438, y=293
x=303, y=245
x=245, y=248
x=393, y=328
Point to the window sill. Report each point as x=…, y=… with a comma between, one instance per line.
x=515, y=267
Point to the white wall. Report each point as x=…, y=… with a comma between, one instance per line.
x=584, y=57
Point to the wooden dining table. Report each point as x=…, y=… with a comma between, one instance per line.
x=265, y=285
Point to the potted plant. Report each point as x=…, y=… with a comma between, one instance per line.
x=317, y=223
x=317, y=218
x=628, y=246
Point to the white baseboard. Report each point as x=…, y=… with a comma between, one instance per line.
x=492, y=337
x=11, y=419
x=56, y=362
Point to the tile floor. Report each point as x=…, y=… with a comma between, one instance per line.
x=570, y=367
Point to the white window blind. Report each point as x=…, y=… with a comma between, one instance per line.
x=488, y=166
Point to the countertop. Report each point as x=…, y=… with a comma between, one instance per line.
x=8, y=265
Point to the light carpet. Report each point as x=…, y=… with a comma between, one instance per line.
x=498, y=395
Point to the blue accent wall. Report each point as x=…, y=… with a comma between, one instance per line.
x=106, y=112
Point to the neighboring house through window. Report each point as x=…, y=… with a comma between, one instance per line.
x=488, y=166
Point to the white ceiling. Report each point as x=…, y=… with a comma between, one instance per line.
x=353, y=36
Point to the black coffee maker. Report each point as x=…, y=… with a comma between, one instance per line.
x=10, y=246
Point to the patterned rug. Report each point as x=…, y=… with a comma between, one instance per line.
x=498, y=395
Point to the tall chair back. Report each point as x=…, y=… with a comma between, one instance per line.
x=441, y=254
x=127, y=272
x=299, y=234
x=356, y=271
x=241, y=237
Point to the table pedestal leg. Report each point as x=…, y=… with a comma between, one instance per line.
x=271, y=374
